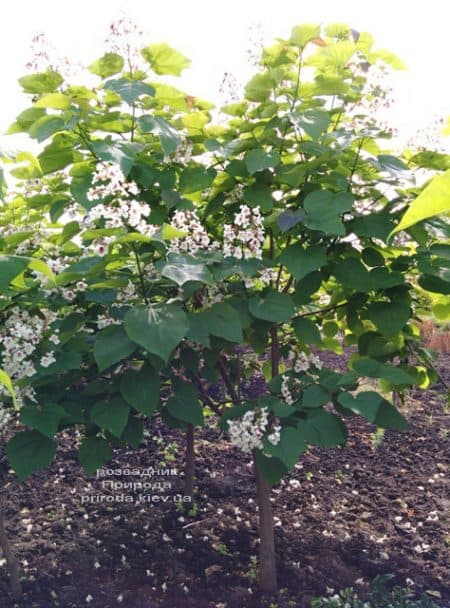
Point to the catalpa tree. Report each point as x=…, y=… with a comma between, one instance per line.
x=149, y=252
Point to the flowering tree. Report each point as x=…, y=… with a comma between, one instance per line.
x=148, y=253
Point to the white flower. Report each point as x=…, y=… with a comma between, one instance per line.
x=245, y=237
x=48, y=359
x=196, y=239
x=247, y=432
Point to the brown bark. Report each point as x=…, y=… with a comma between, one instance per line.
x=11, y=563
x=189, y=469
x=267, y=557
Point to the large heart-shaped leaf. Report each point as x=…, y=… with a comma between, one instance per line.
x=159, y=328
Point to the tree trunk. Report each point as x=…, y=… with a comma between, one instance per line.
x=189, y=469
x=267, y=557
x=13, y=568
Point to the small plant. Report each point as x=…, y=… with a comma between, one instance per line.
x=378, y=437
x=379, y=597
x=340, y=475
x=221, y=548
x=170, y=451
x=252, y=572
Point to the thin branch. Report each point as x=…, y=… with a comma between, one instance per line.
x=227, y=380
x=274, y=351
x=140, y=273
x=355, y=163
x=322, y=310
x=204, y=395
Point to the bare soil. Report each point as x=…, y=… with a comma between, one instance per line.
x=342, y=517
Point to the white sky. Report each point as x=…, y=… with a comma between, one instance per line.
x=215, y=36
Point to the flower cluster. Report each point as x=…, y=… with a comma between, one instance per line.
x=266, y=276
x=20, y=337
x=210, y=295
x=105, y=321
x=247, y=432
x=196, y=239
x=122, y=210
x=301, y=363
x=110, y=181
x=126, y=38
x=31, y=243
x=245, y=237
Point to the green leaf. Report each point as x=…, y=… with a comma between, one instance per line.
x=330, y=328
x=167, y=134
x=302, y=34
x=351, y=273
x=93, y=453
x=434, y=284
x=133, y=433
x=111, y=346
x=108, y=65
x=300, y=261
x=323, y=429
x=46, y=126
x=141, y=389
x=272, y=306
x=288, y=219
x=121, y=153
x=261, y=85
x=54, y=157
x=374, y=369
x=224, y=322
x=25, y=120
x=272, y=469
x=315, y=396
x=45, y=82
x=291, y=174
x=111, y=415
x=259, y=195
x=5, y=380
x=42, y=267
x=44, y=419
x=389, y=317
x=375, y=409
x=199, y=328
x=10, y=267
x=3, y=185
x=433, y=200
x=324, y=209
x=392, y=164
x=365, y=403
x=185, y=405
x=259, y=159
x=375, y=225
x=180, y=273
x=388, y=417
x=55, y=101
x=129, y=90
x=307, y=287
x=196, y=179
x=372, y=257
x=195, y=122
x=314, y=122
x=158, y=328
x=307, y=331
x=29, y=451
x=292, y=443
x=163, y=59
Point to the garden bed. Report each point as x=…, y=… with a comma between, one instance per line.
x=343, y=517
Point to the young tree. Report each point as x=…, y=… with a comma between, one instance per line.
x=161, y=253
